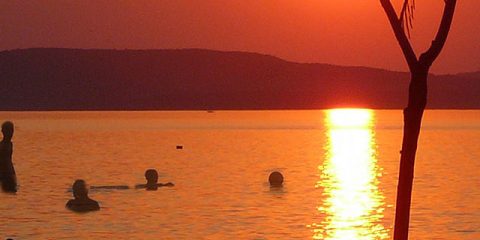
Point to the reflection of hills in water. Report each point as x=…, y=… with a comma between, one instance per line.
x=62, y=79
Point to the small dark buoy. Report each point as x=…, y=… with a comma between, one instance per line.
x=275, y=179
x=179, y=147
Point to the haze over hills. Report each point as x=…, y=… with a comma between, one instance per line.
x=74, y=79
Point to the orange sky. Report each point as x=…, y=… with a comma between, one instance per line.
x=346, y=32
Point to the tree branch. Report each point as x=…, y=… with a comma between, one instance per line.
x=400, y=34
x=432, y=53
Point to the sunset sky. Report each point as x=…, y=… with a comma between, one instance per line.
x=345, y=32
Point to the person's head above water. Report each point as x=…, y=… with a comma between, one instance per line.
x=275, y=179
x=81, y=203
x=7, y=130
x=80, y=189
x=152, y=181
x=152, y=176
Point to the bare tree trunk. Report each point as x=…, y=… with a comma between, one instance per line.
x=413, y=113
x=412, y=118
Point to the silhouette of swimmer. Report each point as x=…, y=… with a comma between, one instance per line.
x=81, y=203
x=152, y=181
x=119, y=187
x=8, y=178
x=275, y=179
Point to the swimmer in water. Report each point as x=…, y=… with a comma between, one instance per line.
x=119, y=187
x=275, y=179
x=152, y=181
x=81, y=201
x=8, y=178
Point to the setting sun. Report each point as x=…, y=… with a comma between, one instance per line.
x=349, y=118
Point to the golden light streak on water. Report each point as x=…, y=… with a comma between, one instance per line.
x=353, y=205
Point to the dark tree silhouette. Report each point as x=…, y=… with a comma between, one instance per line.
x=417, y=99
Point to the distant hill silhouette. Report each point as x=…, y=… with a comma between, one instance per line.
x=74, y=79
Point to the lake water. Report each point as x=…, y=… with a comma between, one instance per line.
x=340, y=169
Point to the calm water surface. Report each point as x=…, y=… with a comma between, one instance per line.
x=340, y=168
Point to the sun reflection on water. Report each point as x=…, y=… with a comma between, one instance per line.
x=353, y=206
